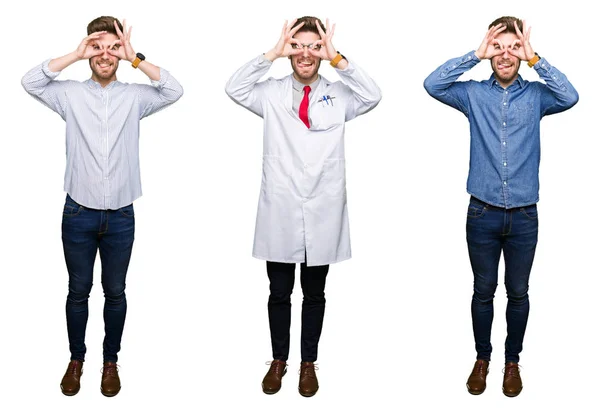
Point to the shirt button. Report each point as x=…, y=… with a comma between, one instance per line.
x=504, y=123
x=505, y=164
x=504, y=103
x=504, y=143
x=504, y=183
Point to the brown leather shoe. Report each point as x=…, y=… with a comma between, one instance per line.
x=308, y=385
x=110, y=384
x=71, y=381
x=476, y=382
x=512, y=385
x=272, y=381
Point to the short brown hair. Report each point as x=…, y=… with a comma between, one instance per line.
x=509, y=22
x=104, y=23
x=310, y=24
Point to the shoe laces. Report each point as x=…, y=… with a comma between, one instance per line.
x=276, y=367
x=72, y=368
x=512, y=370
x=110, y=370
x=479, y=367
x=309, y=370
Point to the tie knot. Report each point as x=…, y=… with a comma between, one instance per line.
x=306, y=89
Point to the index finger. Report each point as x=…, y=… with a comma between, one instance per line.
x=295, y=29
x=119, y=32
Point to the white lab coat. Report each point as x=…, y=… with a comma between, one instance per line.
x=302, y=205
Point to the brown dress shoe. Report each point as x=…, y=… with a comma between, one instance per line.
x=512, y=385
x=308, y=385
x=70, y=382
x=110, y=384
x=272, y=381
x=476, y=381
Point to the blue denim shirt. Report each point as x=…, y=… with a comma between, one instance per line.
x=505, y=126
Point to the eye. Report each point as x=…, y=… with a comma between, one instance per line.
x=496, y=46
x=295, y=46
x=95, y=47
x=317, y=47
x=516, y=47
x=115, y=47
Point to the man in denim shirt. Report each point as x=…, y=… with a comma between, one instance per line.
x=504, y=114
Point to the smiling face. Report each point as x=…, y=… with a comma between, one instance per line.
x=305, y=65
x=506, y=66
x=104, y=66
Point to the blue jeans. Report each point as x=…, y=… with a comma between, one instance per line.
x=84, y=232
x=490, y=231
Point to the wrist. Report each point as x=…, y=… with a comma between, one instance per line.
x=535, y=59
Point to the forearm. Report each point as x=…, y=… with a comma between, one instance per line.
x=444, y=76
x=242, y=86
x=563, y=92
x=58, y=64
x=150, y=70
x=365, y=91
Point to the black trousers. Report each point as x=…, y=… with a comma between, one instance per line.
x=312, y=279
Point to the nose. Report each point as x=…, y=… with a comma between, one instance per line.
x=305, y=51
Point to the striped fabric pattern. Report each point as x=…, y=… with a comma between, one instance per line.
x=102, y=131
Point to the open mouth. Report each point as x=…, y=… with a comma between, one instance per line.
x=304, y=64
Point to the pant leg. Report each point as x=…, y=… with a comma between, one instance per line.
x=313, y=309
x=80, y=243
x=116, y=244
x=484, y=240
x=519, y=251
x=281, y=277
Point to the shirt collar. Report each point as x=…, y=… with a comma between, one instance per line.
x=299, y=86
x=519, y=82
x=95, y=85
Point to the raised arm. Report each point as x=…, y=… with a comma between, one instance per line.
x=557, y=94
x=365, y=92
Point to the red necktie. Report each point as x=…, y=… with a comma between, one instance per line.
x=303, y=112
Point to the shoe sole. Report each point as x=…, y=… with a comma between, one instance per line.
x=307, y=395
x=511, y=395
x=67, y=393
x=472, y=392
x=107, y=394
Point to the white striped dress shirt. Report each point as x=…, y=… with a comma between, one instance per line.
x=102, y=137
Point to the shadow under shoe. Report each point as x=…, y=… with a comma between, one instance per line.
x=71, y=381
x=271, y=383
x=512, y=384
x=110, y=384
x=476, y=383
x=308, y=385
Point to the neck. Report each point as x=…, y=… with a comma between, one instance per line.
x=306, y=81
x=103, y=82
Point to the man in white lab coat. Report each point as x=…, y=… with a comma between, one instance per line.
x=302, y=215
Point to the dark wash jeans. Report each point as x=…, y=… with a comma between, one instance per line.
x=84, y=232
x=490, y=231
x=281, y=276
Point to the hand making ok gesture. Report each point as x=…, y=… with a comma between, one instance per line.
x=326, y=51
x=490, y=46
x=285, y=45
x=521, y=47
x=86, y=49
x=124, y=50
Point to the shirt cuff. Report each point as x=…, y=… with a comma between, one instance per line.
x=47, y=70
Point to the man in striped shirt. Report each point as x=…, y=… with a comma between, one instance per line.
x=102, y=177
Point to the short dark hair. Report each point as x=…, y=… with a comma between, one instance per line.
x=104, y=23
x=509, y=22
x=310, y=24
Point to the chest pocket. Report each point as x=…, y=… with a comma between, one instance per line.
x=523, y=112
x=327, y=114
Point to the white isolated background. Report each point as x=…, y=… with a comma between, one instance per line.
x=397, y=334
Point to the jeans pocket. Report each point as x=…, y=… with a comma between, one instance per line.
x=71, y=208
x=476, y=210
x=530, y=212
x=127, y=211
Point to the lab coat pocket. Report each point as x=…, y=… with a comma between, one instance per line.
x=335, y=177
x=326, y=116
x=275, y=178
